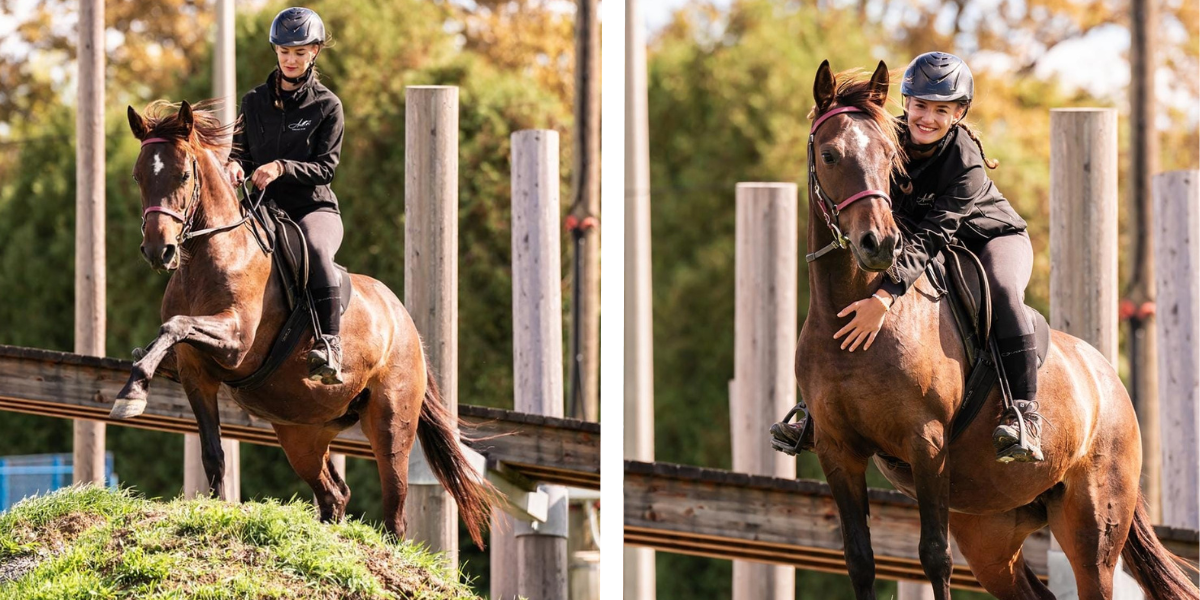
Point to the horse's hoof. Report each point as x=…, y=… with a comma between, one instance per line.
x=138, y=354
x=126, y=408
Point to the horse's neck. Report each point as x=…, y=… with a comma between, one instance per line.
x=227, y=251
x=834, y=280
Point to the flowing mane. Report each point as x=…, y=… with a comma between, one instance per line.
x=162, y=119
x=853, y=88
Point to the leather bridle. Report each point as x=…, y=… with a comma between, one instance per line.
x=829, y=209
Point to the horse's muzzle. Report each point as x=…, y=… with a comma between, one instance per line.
x=876, y=253
x=161, y=257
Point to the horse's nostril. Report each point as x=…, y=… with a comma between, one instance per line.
x=168, y=254
x=869, y=242
x=143, y=250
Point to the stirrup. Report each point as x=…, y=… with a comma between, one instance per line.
x=782, y=432
x=327, y=367
x=1027, y=425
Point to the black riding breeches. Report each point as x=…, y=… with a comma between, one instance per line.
x=1008, y=262
x=323, y=232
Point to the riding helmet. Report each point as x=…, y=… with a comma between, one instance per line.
x=297, y=26
x=938, y=77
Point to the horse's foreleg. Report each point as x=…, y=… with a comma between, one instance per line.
x=847, y=478
x=220, y=336
x=933, y=500
x=202, y=395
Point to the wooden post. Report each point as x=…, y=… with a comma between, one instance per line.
x=89, y=225
x=765, y=306
x=431, y=279
x=1083, y=225
x=1083, y=237
x=639, y=332
x=585, y=184
x=1177, y=251
x=537, y=343
x=914, y=590
x=503, y=557
x=195, y=482
x=1143, y=347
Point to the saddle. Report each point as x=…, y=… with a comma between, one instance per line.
x=958, y=274
x=286, y=245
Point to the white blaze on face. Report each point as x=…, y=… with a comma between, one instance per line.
x=858, y=138
x=158, y=164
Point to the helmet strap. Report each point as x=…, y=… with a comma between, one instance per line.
x=302, y=78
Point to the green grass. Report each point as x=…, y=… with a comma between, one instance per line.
x=96, y=543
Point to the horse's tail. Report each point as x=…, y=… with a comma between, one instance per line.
x=1156, y=569
x=437, y=430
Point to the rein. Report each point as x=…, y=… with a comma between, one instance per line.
x=189, y=211
x=829, y=209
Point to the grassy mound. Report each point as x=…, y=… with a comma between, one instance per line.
x=97, y=543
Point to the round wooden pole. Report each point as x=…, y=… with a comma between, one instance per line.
x=1083, y=243
x=195, y=482
x=89, y=225
x=431, y=279
x=764, y=387
x=1083, y=225
x=914, y=590
x=639, y=332
x=1143, y=157
x=537, y=342
x=1177, y=252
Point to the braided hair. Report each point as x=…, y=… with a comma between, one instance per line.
x=991, y=163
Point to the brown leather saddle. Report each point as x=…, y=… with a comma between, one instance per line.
x=290, y=262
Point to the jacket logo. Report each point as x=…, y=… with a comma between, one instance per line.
x=925, y=199
x=300, y=125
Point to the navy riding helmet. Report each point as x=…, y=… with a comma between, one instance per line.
x=297, y=26
x=938, y=77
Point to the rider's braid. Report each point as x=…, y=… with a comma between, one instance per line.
x=992, y=163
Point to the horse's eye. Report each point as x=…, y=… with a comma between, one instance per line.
x=827, y=157
x=135, y=179
x=184, y=177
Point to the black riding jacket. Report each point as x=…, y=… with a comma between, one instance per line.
x=306, y=137
x=952, y=197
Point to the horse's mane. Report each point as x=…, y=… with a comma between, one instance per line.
x=853, y=88
x=162, y=119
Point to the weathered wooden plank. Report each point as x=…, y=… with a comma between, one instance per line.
x=734, y=515
x=72, y=386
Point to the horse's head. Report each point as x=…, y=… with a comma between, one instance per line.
x=167, y=175
x=852, y=151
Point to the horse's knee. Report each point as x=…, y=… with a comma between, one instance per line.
x=935, y=558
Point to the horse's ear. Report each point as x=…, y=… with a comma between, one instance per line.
x=186, y=118
x=879, y=84
x=137, y=124
x=823, y=88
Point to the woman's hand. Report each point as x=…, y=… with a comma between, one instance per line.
x=867, y=321
x=265, y=174
x=235, y=172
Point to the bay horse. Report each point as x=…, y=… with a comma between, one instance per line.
x=898, y=398
x=223, y=307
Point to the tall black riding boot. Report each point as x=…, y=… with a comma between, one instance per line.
x=325, y=359
x=1019, y=356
